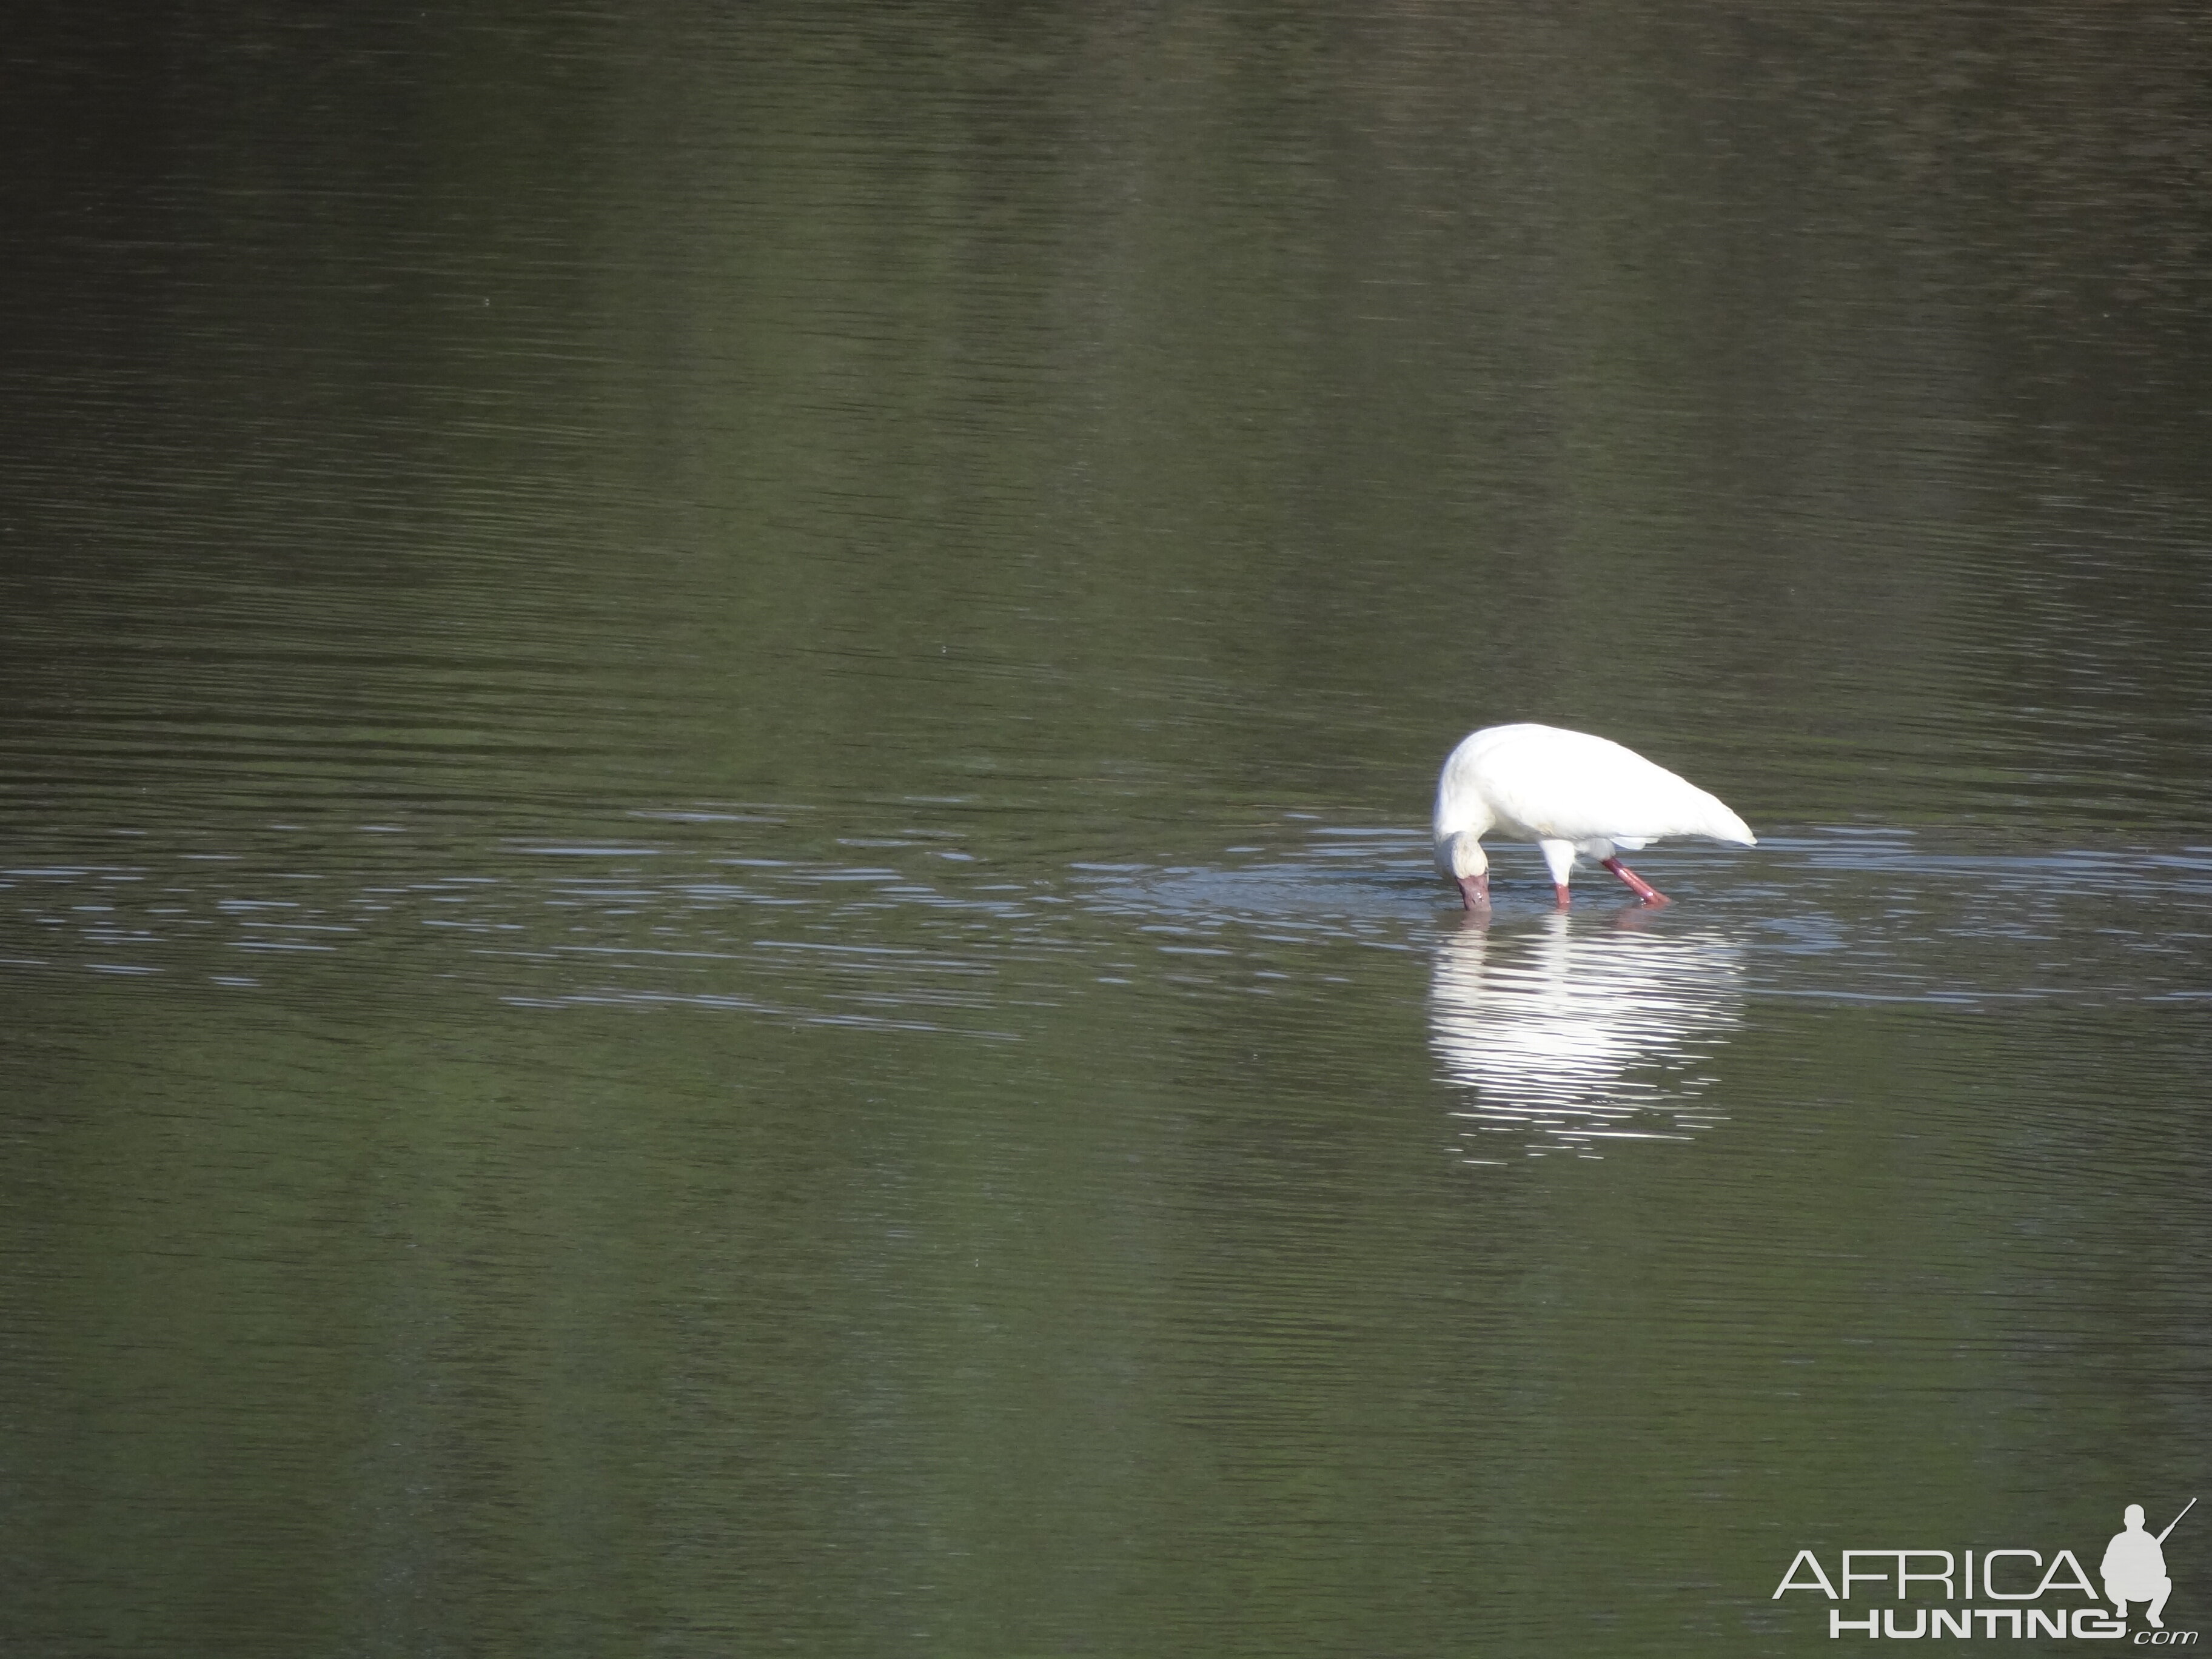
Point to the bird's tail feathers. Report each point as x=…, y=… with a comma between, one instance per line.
x=1722, y=823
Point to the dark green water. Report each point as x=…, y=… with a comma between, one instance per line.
x=715, y=737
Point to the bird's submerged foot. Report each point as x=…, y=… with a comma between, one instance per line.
x=1642, y=888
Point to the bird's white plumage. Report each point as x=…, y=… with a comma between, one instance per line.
x=1570, y=791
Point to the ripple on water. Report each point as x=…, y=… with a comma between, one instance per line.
x=753, y=913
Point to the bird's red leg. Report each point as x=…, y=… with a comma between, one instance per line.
x=1642, y=888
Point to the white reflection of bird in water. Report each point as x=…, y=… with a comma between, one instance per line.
x=1572, y=1036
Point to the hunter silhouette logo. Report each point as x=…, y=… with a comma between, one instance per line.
x=2002, y=1590
x=2134, y=1569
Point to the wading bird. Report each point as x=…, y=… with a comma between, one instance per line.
x=1569, y=792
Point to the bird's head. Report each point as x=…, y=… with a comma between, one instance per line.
x=1469, y=865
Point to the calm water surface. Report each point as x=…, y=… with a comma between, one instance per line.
x=713, y=893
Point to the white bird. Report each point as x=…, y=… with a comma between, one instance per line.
x=1569, y=792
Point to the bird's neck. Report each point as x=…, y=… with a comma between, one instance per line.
x=1461, y=810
